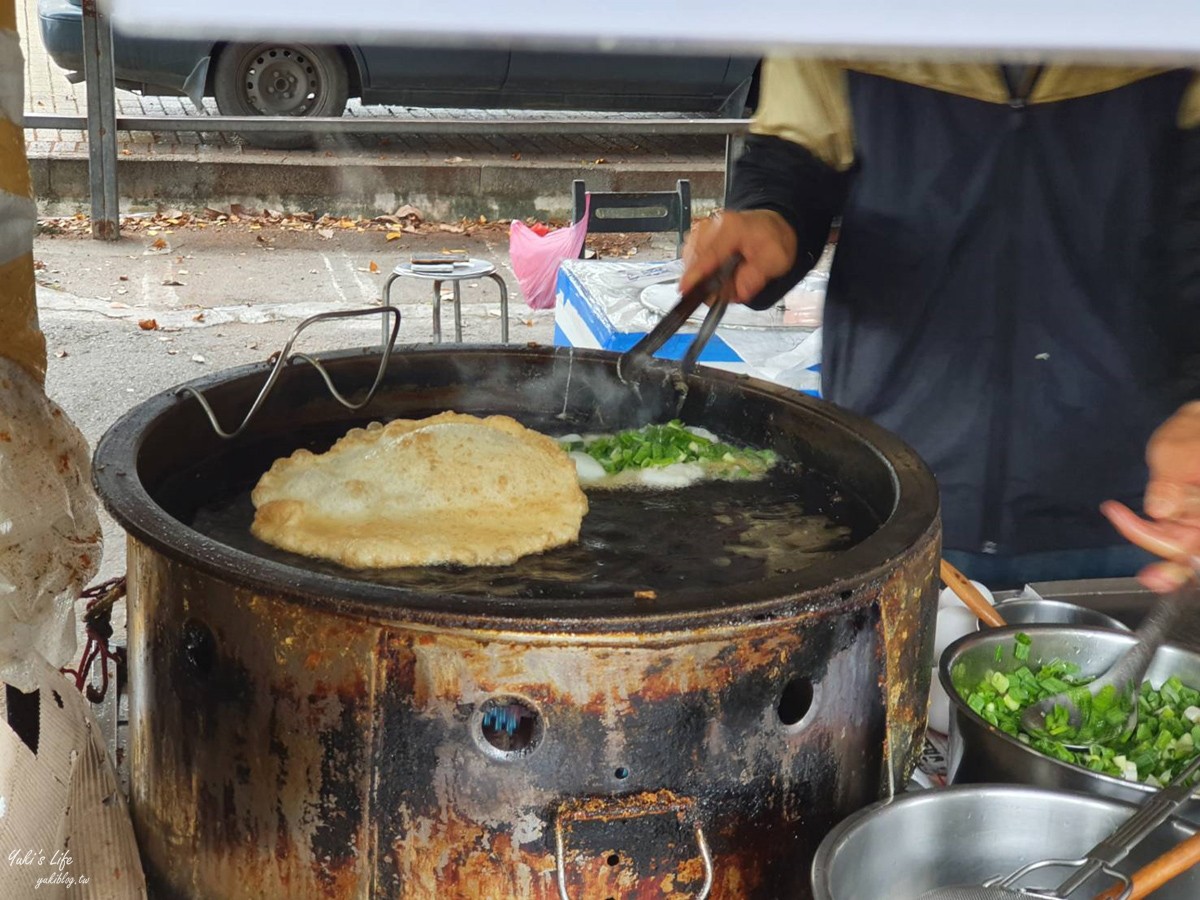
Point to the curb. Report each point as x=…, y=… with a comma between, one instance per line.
x=496, y=188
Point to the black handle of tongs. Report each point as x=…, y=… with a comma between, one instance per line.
x=641, y=352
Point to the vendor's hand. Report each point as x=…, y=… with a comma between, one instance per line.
x=764, y=239
x=1172, y=502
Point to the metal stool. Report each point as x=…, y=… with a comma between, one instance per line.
x=474, y=268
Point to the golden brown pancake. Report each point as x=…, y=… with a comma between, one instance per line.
x=448, y=489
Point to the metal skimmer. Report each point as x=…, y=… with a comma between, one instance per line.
x=1101, y=858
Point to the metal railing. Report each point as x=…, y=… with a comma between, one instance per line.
x=102, y=124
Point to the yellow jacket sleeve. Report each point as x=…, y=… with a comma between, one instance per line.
x=805, y=101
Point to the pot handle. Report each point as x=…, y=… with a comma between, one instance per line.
x=629, y=806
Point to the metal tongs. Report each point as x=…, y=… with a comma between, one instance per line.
x=634, y=362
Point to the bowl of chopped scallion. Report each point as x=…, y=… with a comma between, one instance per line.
x=992, y=676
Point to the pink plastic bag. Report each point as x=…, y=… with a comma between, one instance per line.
x=535, y=258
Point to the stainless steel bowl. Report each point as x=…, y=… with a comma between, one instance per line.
x=980, y=753
x=1039, y=611
x=900, y=849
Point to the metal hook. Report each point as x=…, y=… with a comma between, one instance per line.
x=285, y=357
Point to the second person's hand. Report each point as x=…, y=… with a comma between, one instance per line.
x=761, y=237
x=1172, y=503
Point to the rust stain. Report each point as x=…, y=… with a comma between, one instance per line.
x=312, y=673
x=908, y=607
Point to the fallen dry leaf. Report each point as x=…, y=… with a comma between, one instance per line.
x=645, y=595
x=148, y=324
x=325, y=233
x=373, y=268
x=455, y=159
x=408, y=211
x=453, y=229
x=61, y=354
x=198, y=317
x=394, y=235
x=199, y=359
x=160, y=244
x=173, y=282
x=601, y=161
x=122, y=278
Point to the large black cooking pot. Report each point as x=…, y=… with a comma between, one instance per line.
x=680, y=706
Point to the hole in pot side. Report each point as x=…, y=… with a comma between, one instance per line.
x=509, y=726
x=795, y=701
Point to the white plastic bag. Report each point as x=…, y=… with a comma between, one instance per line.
x=536, y=257
x=49, y=530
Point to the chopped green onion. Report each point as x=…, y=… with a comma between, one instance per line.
x=665, y=445
x=1166, y=738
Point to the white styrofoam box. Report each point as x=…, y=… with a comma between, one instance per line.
x=611, y=305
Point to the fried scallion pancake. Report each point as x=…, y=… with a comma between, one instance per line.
x=420, y=492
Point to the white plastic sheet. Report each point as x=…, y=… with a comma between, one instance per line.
x=49, y=530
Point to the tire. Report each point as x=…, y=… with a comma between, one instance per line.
x=269, y=80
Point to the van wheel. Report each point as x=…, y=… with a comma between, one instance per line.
x=280, y=80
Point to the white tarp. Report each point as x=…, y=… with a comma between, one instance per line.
x=1151, y=30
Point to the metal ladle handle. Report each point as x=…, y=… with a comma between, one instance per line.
x=286, y=356
x=1151, y=633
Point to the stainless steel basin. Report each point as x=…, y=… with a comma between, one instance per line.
x=897, y=850
x=980, y=753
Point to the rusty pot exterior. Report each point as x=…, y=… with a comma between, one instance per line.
x=281, y=752
x=287, y=743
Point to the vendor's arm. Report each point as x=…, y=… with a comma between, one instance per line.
x=20, y=338
x=787, y=186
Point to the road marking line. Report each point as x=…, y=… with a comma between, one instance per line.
x=333, y=278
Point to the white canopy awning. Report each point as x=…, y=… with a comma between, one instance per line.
x=1152, y=31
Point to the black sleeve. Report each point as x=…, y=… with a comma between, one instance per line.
x=1183, y=324
x=782, y=176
